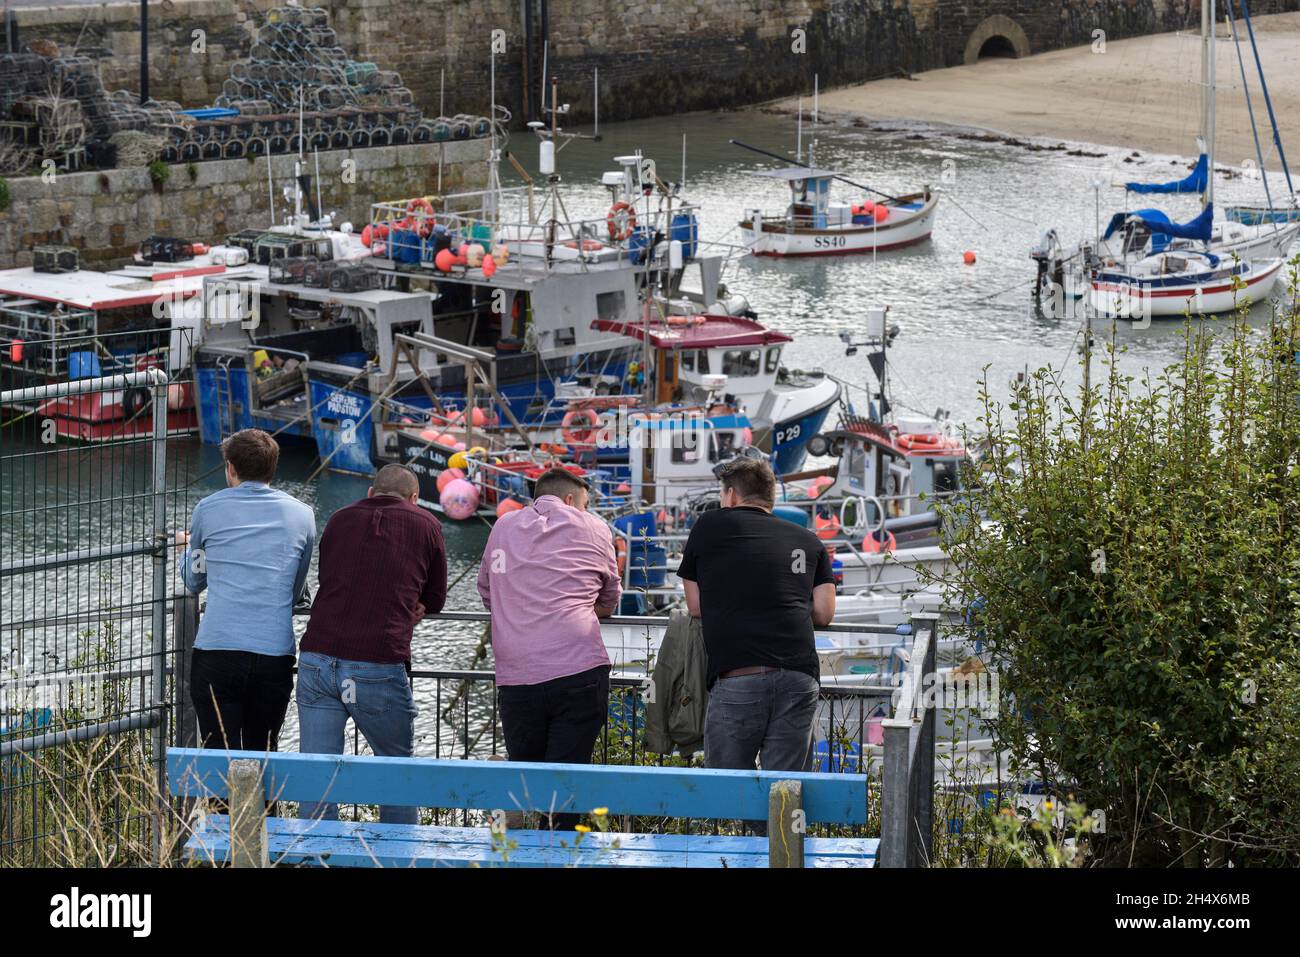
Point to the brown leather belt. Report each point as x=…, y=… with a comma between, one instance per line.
x=751, y=670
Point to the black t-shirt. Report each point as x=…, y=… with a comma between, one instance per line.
x=756, y=573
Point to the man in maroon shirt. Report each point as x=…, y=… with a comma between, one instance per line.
x=383, y=567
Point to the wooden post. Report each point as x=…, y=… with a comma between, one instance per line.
x=785, y=824
x=247, y=815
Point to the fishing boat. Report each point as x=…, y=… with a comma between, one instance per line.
x=60, y=322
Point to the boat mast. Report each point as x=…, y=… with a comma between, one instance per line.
x=1207, y=95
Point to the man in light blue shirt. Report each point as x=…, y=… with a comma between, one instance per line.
x=250, y=547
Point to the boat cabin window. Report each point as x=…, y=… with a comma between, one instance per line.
x=704, y=363
x=688, y=361
x=945, y=477
x=773, y=359
x=717, y=445
x=610, y=305
x=740, y=362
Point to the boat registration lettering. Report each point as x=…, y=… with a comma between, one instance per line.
x=829, y=242
x=344, y=403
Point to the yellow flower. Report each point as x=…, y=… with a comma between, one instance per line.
x=600, y=811
x=583, y=829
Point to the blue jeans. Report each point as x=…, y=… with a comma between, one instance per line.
x=377, y=697
x=767, y=716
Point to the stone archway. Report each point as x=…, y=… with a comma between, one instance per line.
x=997, y=36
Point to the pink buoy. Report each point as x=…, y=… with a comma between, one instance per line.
x=489, y=267
x=881, y=212
x=429, y=435
x=747, y=435
x=447, y=476
x=459, y=499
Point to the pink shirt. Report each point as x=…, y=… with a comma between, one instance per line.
x=544, y=570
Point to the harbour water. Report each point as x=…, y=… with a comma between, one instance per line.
x=956, y=320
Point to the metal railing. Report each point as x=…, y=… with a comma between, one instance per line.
x=466, y=720
x=907, y=781
x=84, y=586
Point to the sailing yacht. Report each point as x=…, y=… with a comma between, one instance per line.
x=1145, y=264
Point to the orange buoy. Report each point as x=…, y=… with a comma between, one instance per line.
x=445, y=260
x=968, y=257
x=508, y=505
x=881, y=212
x=489, y=266
x=826, y=527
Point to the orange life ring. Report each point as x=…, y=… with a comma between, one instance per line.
x=588, y=245
x=424, y=225
x=922, y=443
x=620, y=554
x=580, y=438
x=615, y=234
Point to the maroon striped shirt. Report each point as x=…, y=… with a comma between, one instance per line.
x=383, y=567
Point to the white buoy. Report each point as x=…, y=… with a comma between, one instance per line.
x=546, y=158
x=675, y=254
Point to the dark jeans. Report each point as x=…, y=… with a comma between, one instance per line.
x=556, y=721
x=240, y=698
x=766, y=716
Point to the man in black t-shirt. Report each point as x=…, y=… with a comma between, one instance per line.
x=760, y=584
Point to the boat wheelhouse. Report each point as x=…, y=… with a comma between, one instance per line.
x=703, y=358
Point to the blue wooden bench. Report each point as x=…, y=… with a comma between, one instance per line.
x=788, y=801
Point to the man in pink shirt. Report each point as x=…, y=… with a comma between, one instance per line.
x=548, y=575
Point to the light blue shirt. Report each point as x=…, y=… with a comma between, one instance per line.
x=250, y=547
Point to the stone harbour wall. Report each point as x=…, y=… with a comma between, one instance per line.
x=106, y=214
x=654, y=56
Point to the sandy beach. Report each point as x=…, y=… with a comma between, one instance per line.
x=1142, y=94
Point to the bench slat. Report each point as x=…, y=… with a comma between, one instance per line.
x=347, y=844
x=509, y=785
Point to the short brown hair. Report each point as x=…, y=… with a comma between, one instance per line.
x=752, y=479
x=253, y=454
x=394, y=479
x=558, y=482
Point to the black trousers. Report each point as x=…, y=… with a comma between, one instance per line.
x=556, y=721
x=240, y=698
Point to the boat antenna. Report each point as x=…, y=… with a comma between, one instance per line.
x=812, y=138
x=595, y=99
x=683, y=161
x=297, y=169
x=320, y=206
x=798, y=136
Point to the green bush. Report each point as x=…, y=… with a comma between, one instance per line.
x=159, y=173
x=1137, y=584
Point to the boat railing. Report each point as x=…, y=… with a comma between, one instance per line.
x=535, y=245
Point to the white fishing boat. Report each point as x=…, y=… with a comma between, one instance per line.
x=813, y=225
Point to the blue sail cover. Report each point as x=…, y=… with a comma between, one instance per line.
x=1156, y=221
x=1162, y=228
x=1198, y=228
x=1194, y=182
